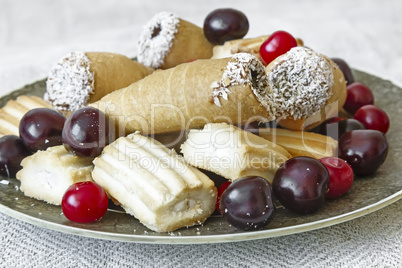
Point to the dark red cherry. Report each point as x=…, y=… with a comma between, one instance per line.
x=12, y=151
x=247, y=203
x=336, y=129
x=345, y=70
x=225, y=24
x=340, y=176
x=301, y=184
x=84, y=202
x=277, y=44
x=364, y=150
x=41, y=128
x=221, y=189
x=373, y=117
x=358, y=95
x=86, y=132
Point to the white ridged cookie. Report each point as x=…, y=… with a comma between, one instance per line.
x=46, y=175
x=232, y=152
x=154, y=184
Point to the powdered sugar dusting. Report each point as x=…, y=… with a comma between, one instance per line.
x=157, y=38
x=301, y=82
x=70, y=82
x=244, y=69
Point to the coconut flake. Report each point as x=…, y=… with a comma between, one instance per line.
x=70, y=82
x=301, y=82
x=244, y=69
x=157, y=38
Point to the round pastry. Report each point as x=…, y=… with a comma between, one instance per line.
x=80, y=78
x=307, y=87
x=167, y=41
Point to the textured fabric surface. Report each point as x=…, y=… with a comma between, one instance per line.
x=366, y=33
x=374, y=240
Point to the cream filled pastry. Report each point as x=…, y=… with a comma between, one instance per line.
x=80, y=78
x=190, y=95
x=167, y=40
x=307, y=88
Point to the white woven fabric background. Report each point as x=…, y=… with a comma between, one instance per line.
x=366, y=33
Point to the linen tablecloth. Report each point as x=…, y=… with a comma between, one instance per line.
x=367, y=34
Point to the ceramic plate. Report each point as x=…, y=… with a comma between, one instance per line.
x=367, y=194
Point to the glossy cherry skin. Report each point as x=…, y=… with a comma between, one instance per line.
x=358, y=95
x=12, y=151
x=84, y=202
x=221, y=189
x=340, y=176
x=86, y=132
x=301, y=184
x=364, y=150
x=336, y=129
x=247, y=203
x=225, y=24
x=373, y=117
x=277, y=44
x=347, y=73
x=41, y=128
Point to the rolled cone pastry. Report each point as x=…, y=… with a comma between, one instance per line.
x=301, y=143
x=246, y=45
x=232, y=90
x=12, y=113
x=46, y=175
x=154, y=184
x=233, y=153
x=166, y=41
x=80, y=78
x=308, y=88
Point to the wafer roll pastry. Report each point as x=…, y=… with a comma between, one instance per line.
x=80, y=78
x=299, y=87
x=154, y=184
x=307, y=86
x=301, y=143
x=12, y=113
x=232, y=90
x=167, y=40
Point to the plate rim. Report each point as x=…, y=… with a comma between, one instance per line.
x=207, y=239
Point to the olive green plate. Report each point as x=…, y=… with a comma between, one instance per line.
x=366, y=195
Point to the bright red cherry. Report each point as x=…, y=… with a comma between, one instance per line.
x=358, y=95
x=277, y=44
x=221, y=189
x=84, y=202
x=340, y=176
x=373, y=117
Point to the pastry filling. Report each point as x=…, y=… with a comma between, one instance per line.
x=157, y=38
x=70, y=82
x=244, y=69
x=156, y=31
x=301, y=82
